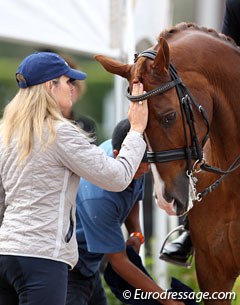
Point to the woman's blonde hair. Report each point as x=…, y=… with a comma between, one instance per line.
x=26, y=116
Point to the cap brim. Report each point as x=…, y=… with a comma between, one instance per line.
x=75, y=74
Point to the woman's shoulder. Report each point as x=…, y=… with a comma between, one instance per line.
x=69, y=135
x=63, y=124
x=66, y=127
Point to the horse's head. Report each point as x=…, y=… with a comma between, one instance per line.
x=176, y=127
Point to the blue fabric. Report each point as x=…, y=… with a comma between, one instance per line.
x=39, y=67
x=32, y=281
x=118, y=285
x=100, y=215
x=85, y=291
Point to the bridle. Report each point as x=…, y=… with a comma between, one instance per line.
x=193, y=150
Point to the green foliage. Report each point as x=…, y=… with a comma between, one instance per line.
x=236, y=289
x=188, y=276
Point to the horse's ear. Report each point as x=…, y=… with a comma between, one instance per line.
x=161, y=61
x=114, y=66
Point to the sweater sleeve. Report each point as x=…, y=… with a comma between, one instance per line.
x=91, y=162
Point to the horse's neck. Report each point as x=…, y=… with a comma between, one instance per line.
x=224, y=130
x=222, y=77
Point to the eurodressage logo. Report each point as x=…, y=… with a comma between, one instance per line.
x=184, y=295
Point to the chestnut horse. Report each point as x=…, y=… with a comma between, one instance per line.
x=192, y=83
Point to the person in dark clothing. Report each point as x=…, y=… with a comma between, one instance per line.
x=231, y=21
x=181, y=249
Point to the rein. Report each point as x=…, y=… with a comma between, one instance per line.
x=190, y=152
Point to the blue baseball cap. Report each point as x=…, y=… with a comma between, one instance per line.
x=41, y=67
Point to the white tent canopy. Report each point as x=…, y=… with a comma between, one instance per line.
x=86, y=26
x=81, y=26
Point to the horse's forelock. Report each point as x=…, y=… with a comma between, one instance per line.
x=140, y=68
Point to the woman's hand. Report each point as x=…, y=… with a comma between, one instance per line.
x=138, y=111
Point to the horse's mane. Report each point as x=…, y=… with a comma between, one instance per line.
x=183, y=26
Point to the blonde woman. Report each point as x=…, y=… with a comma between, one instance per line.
x=42, y=157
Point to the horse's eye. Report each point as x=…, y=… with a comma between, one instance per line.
x=168, y=119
